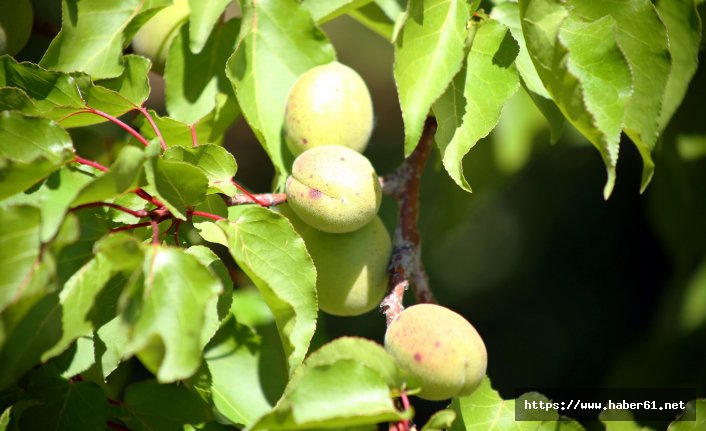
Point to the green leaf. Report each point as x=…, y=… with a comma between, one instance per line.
x=266, y=247
x=326, y=10
x=360, y=350
x=216, y=162
x=642, y=38
x=176, y=294
x=57, y=95
x=19, y=250
x=620, y=420
x=26, y=139
x=694, y=409
x=193, y=80
x=583, y=68
x=123, y=176
x=491, y=79
x=440, y=421
x=91, y=37
x=204, y=16
x=110, y=339
x=373, y=16
x=267, y=61
x=341, y=394
x=432, y=40
x=237, y=353
x=179, y=185
x=67, y=406
x=26, y=339
x=684, y=31
x=155, y=407
x=18, y=176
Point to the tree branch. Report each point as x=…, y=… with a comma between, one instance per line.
x=405, y=263
x=263, y=199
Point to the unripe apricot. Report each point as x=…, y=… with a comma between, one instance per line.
x=328, y=105
x=333, y=189
x=351, y=268
x=439, y=349
x=155, y=36
x=15, y=25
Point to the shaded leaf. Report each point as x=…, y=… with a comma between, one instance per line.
x=267, y=61
x=216, y=162
x=694, y=409
x=373, y=16
x=179, y=185
x=266, y=247
x=122, y=177
x=153, y=407
x=193, y=80
x=19, y=250
x=431, y=40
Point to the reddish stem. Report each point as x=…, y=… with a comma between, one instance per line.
x=194, y=138
x=147, y=115
x=405, y=262
x=81, y=160
x=207, y=215
x=264, y=199
x=135, y=213
x=149, y=198
x=131, y=226
x=250, y=195
x=155, y=231
x=176, y=232
x=109, y=117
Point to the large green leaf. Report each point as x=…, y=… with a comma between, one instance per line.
x=267, y=61
x=122, y=177
x=193, y=80
x=204, y=15
x=152, y=407
x=175, y=299
x=216, y=162
x=584, y=70
x=491, y=79
x=179, y=185
x=684, y=31
x=91, y=36
x=642, y=38
x=25, y=139
x=19, y=250
x=342, y=394
x=428, y=54
x=266, y=247
x=57, y=95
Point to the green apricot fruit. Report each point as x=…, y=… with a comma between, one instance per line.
x=328, y=105
x=439, y=349
x=333, y=189
x=351, y=268
x=155, y=36
x=15, y=25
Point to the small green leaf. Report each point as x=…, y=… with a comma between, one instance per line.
x=432, y=40
x=695, y=409
x=152, y=407
x=267, y=61
x=193, y=80
x=216, y=162
x=342, y=394
x=684, y=31
x=281, y=269
x=122, y=177
x=176, y=295
x=24, y=139
x=584, y=70
x=91, y=37
x=326, y=10
x=19, y=250
x=491, y=79
x=440, y=421
x=204, y=16
x=179, y=185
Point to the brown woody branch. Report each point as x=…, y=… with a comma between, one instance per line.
x=406, y=267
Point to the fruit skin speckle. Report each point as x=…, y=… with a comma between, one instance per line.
x=439, y=349
x=328, y=105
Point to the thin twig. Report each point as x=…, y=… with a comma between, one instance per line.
x=250, y=195
x=147, y=115
x=263, y=199
x=207, y=215
x=109, y=117
x=130, y=226
x=194, y=138
x=134, y=213
x=405, y=263
x=81, y=160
